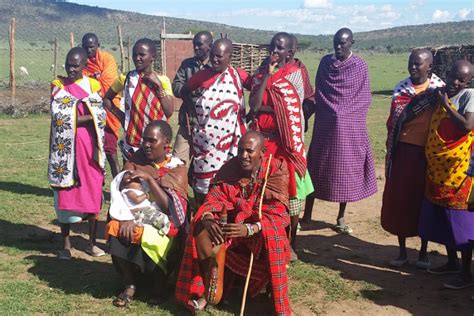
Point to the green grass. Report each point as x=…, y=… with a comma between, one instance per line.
x=33, y=281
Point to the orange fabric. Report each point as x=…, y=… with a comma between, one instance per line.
x=113, y=227
x=104, y=68
x=416, y=131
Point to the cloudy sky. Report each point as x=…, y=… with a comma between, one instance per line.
x=298, y=16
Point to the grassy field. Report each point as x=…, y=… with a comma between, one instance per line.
x=32, y=280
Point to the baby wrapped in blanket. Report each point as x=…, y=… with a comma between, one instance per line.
x=130, y=201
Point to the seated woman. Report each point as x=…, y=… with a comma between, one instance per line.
x=138, y=249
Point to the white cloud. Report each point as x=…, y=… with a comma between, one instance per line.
x=316, y=4
x=464, y=13
x=441, y=16
x=359, y=19
x=162, y=13
x=418, y=3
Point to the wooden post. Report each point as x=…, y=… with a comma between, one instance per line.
x=12, y=58
x=55, y=58
x=72, y=39
x=163, y=45
x=119, y=32
x=129, y=54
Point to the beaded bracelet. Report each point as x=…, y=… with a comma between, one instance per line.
x=207, y=213
x=250, y=231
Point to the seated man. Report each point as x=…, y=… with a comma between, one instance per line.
x=237, y=188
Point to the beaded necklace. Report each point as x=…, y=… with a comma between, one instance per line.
x=158, y=166
x=247, y=190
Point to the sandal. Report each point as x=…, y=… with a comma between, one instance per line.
x=343, y=229
x=459, y=283
x=398, y=263
x=197, y=305
x=94, y=251
x=65, y=254
x=444, y=269
x=124, y=299
x=422, y=264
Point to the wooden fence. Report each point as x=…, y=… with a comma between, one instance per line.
x=445, y=56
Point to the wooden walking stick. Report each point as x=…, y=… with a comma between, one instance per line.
x=247, y=280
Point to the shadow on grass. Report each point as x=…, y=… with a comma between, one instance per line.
x=407, y=288
x=28, y=237
x=97, y=279
x=383, y=92
x=23, y=188
x=33, y=238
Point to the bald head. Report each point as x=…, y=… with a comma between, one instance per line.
x=281, y=46
x=344, y=32
x=75, y=63
x=423, y=53
x=250, y=152
x=254, y=136
x=202, y=43
x=205, y=36
x=221, y=54
x=90, y=37
x=342, y=42
x=90, y=42
x=459, y=77
x=420, y=64
x=78, y=52
x=226, y=45
x=463, y=66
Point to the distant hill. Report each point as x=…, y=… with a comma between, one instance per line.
x=42, y=20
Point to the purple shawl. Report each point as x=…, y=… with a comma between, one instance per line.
x=340, y=158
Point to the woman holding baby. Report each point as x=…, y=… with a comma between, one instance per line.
x=143, y=237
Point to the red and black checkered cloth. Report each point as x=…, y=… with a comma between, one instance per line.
x=270, y=246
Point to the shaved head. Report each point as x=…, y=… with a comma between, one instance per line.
x=254, y=136
x=250, y=152
x=344, y=32
x=463, y=66
x=148, y=43
x=424, y=53
x=459, y=77
x=342, y=42
x=75, y=63
x=90, y=42
x=221, y=55
x=204, y=36
x=288, y=38
x=90, y=37
x=420, y=64
x=226, y=44
x=281, y=45
x=77, y=52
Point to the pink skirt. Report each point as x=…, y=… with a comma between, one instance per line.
x=87, y=197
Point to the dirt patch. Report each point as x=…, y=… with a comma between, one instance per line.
x=27, y=100
x=363, y=258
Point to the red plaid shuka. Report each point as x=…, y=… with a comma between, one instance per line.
x=145, y=107
x=270, y=246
